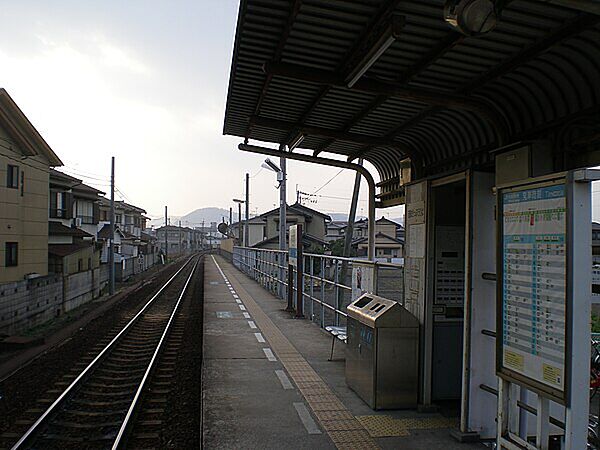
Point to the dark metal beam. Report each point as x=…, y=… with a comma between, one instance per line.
x=277, y=56
x=379, y=100
x=590, y=6
x=451, y=40
x=371, y=86
x=322, y=132
x=569, y=29
x=575, y=26
x=344, y=66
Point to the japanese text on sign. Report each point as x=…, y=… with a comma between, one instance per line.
x=534, y=283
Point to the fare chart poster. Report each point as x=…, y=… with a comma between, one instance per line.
x=534, y=284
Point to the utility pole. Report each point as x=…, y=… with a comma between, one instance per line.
x=230, y=216
x=246, y=230
x=166, y=235
x=180, y=249
x=111, y=250
x=282, y=221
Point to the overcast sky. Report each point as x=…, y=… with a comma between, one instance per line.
x=145, y=81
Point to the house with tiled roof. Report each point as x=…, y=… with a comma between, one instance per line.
x=264, y=229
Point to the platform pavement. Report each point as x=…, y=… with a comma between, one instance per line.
x=245, y=403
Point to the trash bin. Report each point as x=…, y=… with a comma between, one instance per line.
x=382, y=353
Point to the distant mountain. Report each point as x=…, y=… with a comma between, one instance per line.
x=206, y=215
x=196, y=217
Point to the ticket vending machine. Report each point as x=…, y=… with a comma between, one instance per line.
x=448, y=311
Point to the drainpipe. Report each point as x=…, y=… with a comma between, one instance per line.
x=333, y=163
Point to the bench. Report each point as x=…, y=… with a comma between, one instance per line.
x=336, y=333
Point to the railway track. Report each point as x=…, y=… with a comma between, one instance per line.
x=126, y=383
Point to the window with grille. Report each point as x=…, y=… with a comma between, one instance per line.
x=12, y=176
x=11, y=254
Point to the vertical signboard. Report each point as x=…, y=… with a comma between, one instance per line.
x=293, y=246
x=414, y=267
x=532, y=288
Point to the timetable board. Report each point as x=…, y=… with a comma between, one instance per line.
x=533, y=286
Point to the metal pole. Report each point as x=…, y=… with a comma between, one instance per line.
x=350, y=229
x=240, y=224
x=246, y=230
x=230, y=216
x=290, y=288
x=111, y=248
x=328, y=162
x=300, y=276
x=166, y=235
x=282, y=220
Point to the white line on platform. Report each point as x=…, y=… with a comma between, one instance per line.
x=242, y=307
x=307, y=420
x=283, y=378
x=269, y=354
x=251, y=324
x=259, y=337
x=246, y=315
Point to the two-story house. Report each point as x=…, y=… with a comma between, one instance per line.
x=130, y=222
x=73, y=222
x=179, y=240
x=25, y=162
x=336, y=230
x=388, y=243
x=314, y=226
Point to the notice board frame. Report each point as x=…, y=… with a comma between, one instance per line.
x=294, y=238
x=553, y=393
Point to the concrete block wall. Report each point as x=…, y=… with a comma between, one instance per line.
x=133, y=266
x=25, y=304
x=82, y=287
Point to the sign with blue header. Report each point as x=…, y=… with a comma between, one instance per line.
x=533, y=284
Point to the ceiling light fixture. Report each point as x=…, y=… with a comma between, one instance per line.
x=296, y=141
x=390, y=33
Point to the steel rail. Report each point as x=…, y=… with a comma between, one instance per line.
x=130, y=411
x=34, y=428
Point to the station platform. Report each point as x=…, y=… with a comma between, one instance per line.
x=267, y=381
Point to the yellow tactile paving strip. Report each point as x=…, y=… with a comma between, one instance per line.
x=343, y=428
x=386, y=426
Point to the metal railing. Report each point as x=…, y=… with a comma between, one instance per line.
x=326, y=280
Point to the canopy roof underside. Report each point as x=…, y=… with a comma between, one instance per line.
x=443, y=99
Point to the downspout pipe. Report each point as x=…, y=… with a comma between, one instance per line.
x=333, y=163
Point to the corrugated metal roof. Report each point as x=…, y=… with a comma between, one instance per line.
x=538, y=69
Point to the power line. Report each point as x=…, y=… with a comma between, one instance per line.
x=76, y=174
x=86, y=173
x=259, y=171
x=329, y=181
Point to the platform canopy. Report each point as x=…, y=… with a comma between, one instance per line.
x=434, y=95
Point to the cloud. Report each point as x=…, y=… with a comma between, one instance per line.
x=118, y=58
